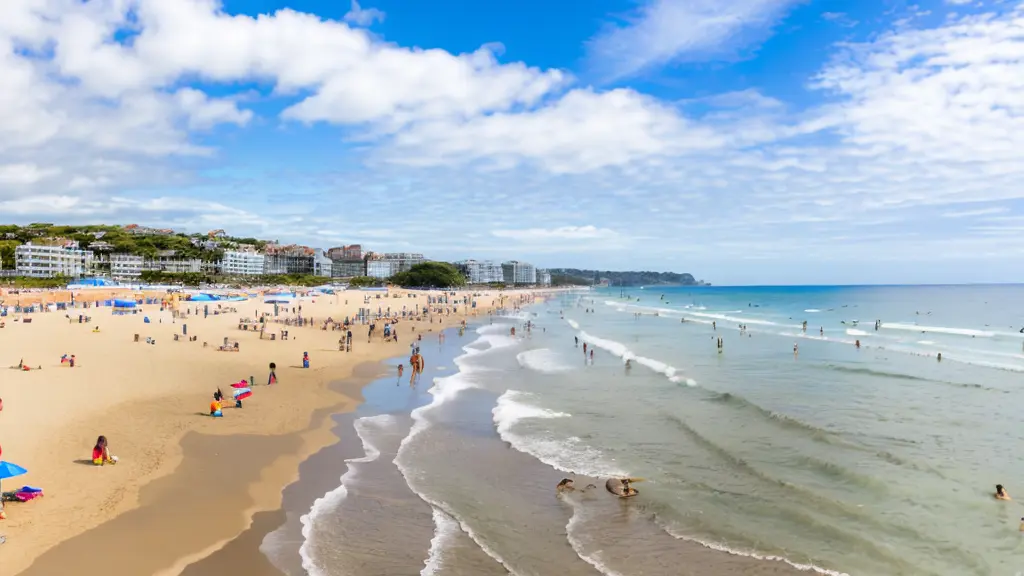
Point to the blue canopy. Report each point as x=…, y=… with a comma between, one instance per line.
x=203, y=298
x=124, y=304
x=93, y=282
x=8, y=470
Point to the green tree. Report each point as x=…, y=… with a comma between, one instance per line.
x=364, y=281
x=430, y=275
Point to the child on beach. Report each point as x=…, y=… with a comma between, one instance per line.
x=215, y=408
x=401, y=368
x=101, y=454
x=273, y=375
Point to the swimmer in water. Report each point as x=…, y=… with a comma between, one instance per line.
x=628, y=364
x=1001, y=493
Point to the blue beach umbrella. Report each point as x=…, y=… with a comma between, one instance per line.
x=8, y=470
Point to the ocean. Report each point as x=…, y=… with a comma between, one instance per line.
x=788, y=450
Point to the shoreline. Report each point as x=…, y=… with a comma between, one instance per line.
x=319, y=475
x=161, y=455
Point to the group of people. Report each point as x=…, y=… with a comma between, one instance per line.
x=621, y=487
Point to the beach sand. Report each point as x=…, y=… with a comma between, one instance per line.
x=186, y=483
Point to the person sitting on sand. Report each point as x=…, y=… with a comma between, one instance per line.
x=215, y=408
x=1001, y=493
x=566, y=485
x=100, y=452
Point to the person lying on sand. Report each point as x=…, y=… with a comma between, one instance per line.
x=24, y=367
x=620, y=487
x=1001, y=493
x=565, y=485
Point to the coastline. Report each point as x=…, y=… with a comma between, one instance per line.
x=282, y=426
x=319, y=474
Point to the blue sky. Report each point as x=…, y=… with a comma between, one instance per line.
x=746, y=142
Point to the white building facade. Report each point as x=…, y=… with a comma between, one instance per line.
x=43, y=261
x=481, y=271
x=543, y=278
x=241, y=263
x=125, y=265
x=516, y=272
x=381, y=268
x=322, y=265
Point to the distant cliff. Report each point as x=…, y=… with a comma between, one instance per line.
x=575, y=276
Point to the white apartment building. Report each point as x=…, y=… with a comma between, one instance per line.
x=322, y=264
x=481, y=271
x=516, y=272
x=42, y=261
x=381, y=268
x=543, y=278
x=125, y=266
x=237, y=263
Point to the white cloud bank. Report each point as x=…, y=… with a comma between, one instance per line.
x=915, y=121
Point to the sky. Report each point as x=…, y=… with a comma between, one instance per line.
x=745, y=142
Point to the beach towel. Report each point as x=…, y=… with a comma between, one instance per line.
x=23, y=494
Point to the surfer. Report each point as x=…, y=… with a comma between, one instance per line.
x=620, y=487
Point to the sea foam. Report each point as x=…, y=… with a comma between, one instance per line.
x=445, y=530
x=329, y=501
x=543, y=360
x=569, y=454
x=443, y=391
x=619, y=349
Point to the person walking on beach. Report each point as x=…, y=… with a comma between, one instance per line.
x=273, y=374
x=348, y=341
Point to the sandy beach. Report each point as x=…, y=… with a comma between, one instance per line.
x=185, y=483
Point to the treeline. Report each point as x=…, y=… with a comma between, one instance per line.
x=576, y=276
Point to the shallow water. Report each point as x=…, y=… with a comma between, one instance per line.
x=878, y=460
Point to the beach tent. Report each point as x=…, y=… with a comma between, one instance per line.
x=204, y=298
x=92, y=282
x=124, y=304
x=279, y=299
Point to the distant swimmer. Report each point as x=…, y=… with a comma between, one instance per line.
x=577, y=339
x=796, y=349
x=939, y=357
x=629, y=364
x=621, y=488
x=566, y=485
x=857, y=344
x=1001, y=493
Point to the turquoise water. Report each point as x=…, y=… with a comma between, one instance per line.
x=874, y=460
x=877, y=460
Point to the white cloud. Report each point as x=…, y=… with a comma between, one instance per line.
x=977, y=212
x=959, y=2
x=363, y=16
x=13, y=174
x=588, y=232
x=667, y=30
